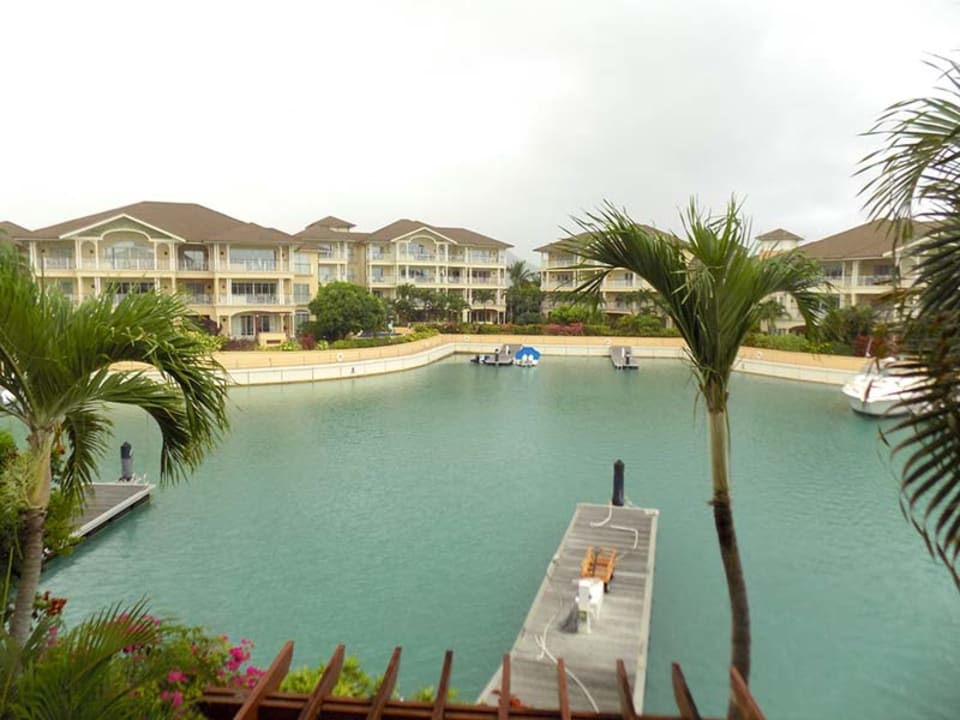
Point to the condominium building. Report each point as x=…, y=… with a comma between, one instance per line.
x=619, y=294
x=255, y=281
x=859, y=264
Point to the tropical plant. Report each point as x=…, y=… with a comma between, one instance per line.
x=914, y=181
x=484, y=296
x=712, y=286
x=520, y=273
x=341, y=308
x=55, y=360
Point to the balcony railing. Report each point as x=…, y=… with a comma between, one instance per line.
x=483, y=281
x=240, y=299
x=255, y=265
x=53, y=262
x=619, y=283
x=327, y=254
x=381, y=257
x=483, y=259
x=301, y=298
x=193, y=265
x=417, y=257
x=382, y=279
x=419, y=280
x=197, y=298
x=142, y=263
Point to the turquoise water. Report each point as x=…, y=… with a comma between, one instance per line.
x=421, y=509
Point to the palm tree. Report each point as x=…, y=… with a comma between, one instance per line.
x=915, y=179
x=713, y=287
x=519, y=273
x=55, y=360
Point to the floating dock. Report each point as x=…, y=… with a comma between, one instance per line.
x=619, y=630
x=622, y=358
x=501, y=356
x=105, y=502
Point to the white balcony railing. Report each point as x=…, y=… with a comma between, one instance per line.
x=254, y=266
x=52, y=262
x=241, y=299
x=381, y=257
x=382, y=279
x=198, y=299
x=417, y=257
x=141, y=263
x=193, y=265
x=483, y=259
x=619, y=283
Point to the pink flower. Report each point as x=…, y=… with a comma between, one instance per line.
x=175, y=676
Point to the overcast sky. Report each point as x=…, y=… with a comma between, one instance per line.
x=506, y=117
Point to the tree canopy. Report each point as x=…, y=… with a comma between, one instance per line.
x=341, y=308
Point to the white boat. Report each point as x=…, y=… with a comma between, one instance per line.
x=527, y=356
x=878, y=392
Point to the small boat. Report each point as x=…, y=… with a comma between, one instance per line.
x=878, y=391
x=500, y=356
x=527, y=356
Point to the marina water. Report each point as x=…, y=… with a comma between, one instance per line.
x=421, y=509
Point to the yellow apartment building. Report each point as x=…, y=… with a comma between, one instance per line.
x=255, y=282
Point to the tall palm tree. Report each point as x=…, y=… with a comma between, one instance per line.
x=712, y=286
x=55, y=360
x=914, y=178
x=519, y=273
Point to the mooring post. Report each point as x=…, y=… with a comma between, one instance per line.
x=617, y=484
x=126, y=462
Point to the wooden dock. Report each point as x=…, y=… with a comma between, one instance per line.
x=621, y=629
x=105, y=502
x=501, y=356
x=622, y=358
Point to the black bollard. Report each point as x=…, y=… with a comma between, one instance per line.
x=126, y=462
x=617, y=484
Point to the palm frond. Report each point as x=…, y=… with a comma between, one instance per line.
x=915, y=176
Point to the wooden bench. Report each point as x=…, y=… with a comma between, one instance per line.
x=600, y=564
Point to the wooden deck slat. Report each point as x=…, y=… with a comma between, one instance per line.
x=443, y=687
x=105, y=502
x=267, y=683
x=386, y=687
x=328, y=681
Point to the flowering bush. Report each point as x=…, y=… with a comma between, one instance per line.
x=118, y=664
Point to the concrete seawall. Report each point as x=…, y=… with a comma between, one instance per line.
x=274, y=367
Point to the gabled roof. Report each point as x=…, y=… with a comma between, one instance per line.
x=192, y=222
x=461, y=236
x=870, y=240
x=331, y=222
x=325, y=232
x=779, y=236
x=561, y=245
x=253, y=234
x=13, y=231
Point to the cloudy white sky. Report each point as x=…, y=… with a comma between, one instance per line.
x=504, y=116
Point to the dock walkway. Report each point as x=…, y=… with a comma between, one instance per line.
x=621, y=630
x=622, y=358
x=105, y=502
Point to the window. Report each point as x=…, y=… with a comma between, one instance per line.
x=246, y=325
x=301, y=263
x=255, y=292
x=128, y=255
x=299, y=319
x=193, y=259
x=301, y=292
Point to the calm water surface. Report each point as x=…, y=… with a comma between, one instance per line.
x=421, y=509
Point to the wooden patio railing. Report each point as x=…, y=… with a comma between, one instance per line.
x=265, y=702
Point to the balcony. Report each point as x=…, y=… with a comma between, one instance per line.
x=417, y=257
x=53, y=262
x=620, y=283
x=301, y=298
x=489, y=280
x=239, y=299
x=380, y=257
x=301, y=268
x=484, y=259
x=329, y=254
x=128, y=263
x=382, y=279
x=255, y=266
x=419, y=280
x=193, y=265
x=197, y=298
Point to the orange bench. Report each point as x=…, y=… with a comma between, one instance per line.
x=599, y=564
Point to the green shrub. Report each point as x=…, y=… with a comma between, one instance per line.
x=354, y=343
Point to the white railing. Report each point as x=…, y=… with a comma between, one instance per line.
x=458, y=258
x=382, y=279
x=142, y=263
x=254, y=265
x=483, y=259
x=198, y=299
x=381, y=257
x=483, y=281
x=326, y=254
x=301, y=268
x=240, y=299
x=417, y=257
x=193, y=265
x=620, y=283
x=419, y=280
x=324, y=279
x=53, y=262
x=562, y=261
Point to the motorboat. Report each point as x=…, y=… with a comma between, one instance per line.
x=878, y=391
x=527, y=356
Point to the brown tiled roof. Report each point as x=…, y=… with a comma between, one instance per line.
x=189, y=221
x=331, y=222
x=870, y=240
x=253, y=234
x=322, y=232
x=779, y=235
x=561, y=245
x=13, y=231
x=461, y=236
